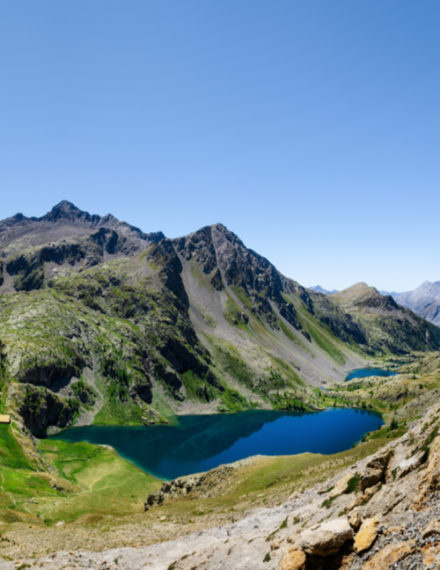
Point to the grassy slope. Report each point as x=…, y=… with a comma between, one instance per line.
x=84, y=337
x=107, y=484
x=82, y=480
x=246, y=351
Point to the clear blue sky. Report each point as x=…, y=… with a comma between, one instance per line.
x=311, y=128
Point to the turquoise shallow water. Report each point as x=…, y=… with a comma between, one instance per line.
x=199, y=443
x=365, y=372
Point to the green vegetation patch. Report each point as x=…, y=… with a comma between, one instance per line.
x=104, y=483
x=233, y=401
x=234, y=366
x=353, y=483
x=116, y=411
x=242, y=296
x=323, y=342
x=11, y=454
x=287, y=331
x=198, y=388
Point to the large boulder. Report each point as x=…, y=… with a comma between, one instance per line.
x=326, y=538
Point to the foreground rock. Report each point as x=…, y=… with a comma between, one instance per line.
x=366, y=535
x=293, y=559
x=326, y=538
x=341, y=486
x=391, y=554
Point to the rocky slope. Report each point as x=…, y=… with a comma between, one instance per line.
x=101, y=322
x=381, y=512
x=424, y=301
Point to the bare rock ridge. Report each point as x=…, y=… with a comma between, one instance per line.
x=228, y=263
x=67, y=211
x=197, y=322
x=31, y=249
x=63, y=214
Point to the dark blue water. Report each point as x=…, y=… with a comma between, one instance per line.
x=364, y=372
x=199, y=443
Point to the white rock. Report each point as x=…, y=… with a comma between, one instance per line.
x=326, y=538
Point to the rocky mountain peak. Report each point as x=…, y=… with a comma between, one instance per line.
x=363, y=295
x=65, y=236
x=220, y=227
x=218, y=249
x=319, y=289
x=19, y=217
x=359, y=289
x=66, y=211
x=66, y=206
x=212, y=232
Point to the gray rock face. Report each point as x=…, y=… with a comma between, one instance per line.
x=66, y=236
x=41, y=408
x=228, y=262
x=424, y=301
x=375, y=469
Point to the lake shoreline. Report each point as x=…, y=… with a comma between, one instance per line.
x=200, y=443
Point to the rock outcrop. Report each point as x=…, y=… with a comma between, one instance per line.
x=40, y=408
x=366, y=535
x=326, y=538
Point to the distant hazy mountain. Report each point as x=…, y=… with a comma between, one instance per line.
x=319, y=289
x=424, y=301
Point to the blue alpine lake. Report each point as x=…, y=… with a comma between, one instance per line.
x=365, y=372
x=200, y=443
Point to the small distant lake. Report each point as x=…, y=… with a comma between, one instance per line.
x=365, y=372
x=200, y=443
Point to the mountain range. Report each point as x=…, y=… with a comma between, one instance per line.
x=101, y=322
x=424, y=301
x=319, y=289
